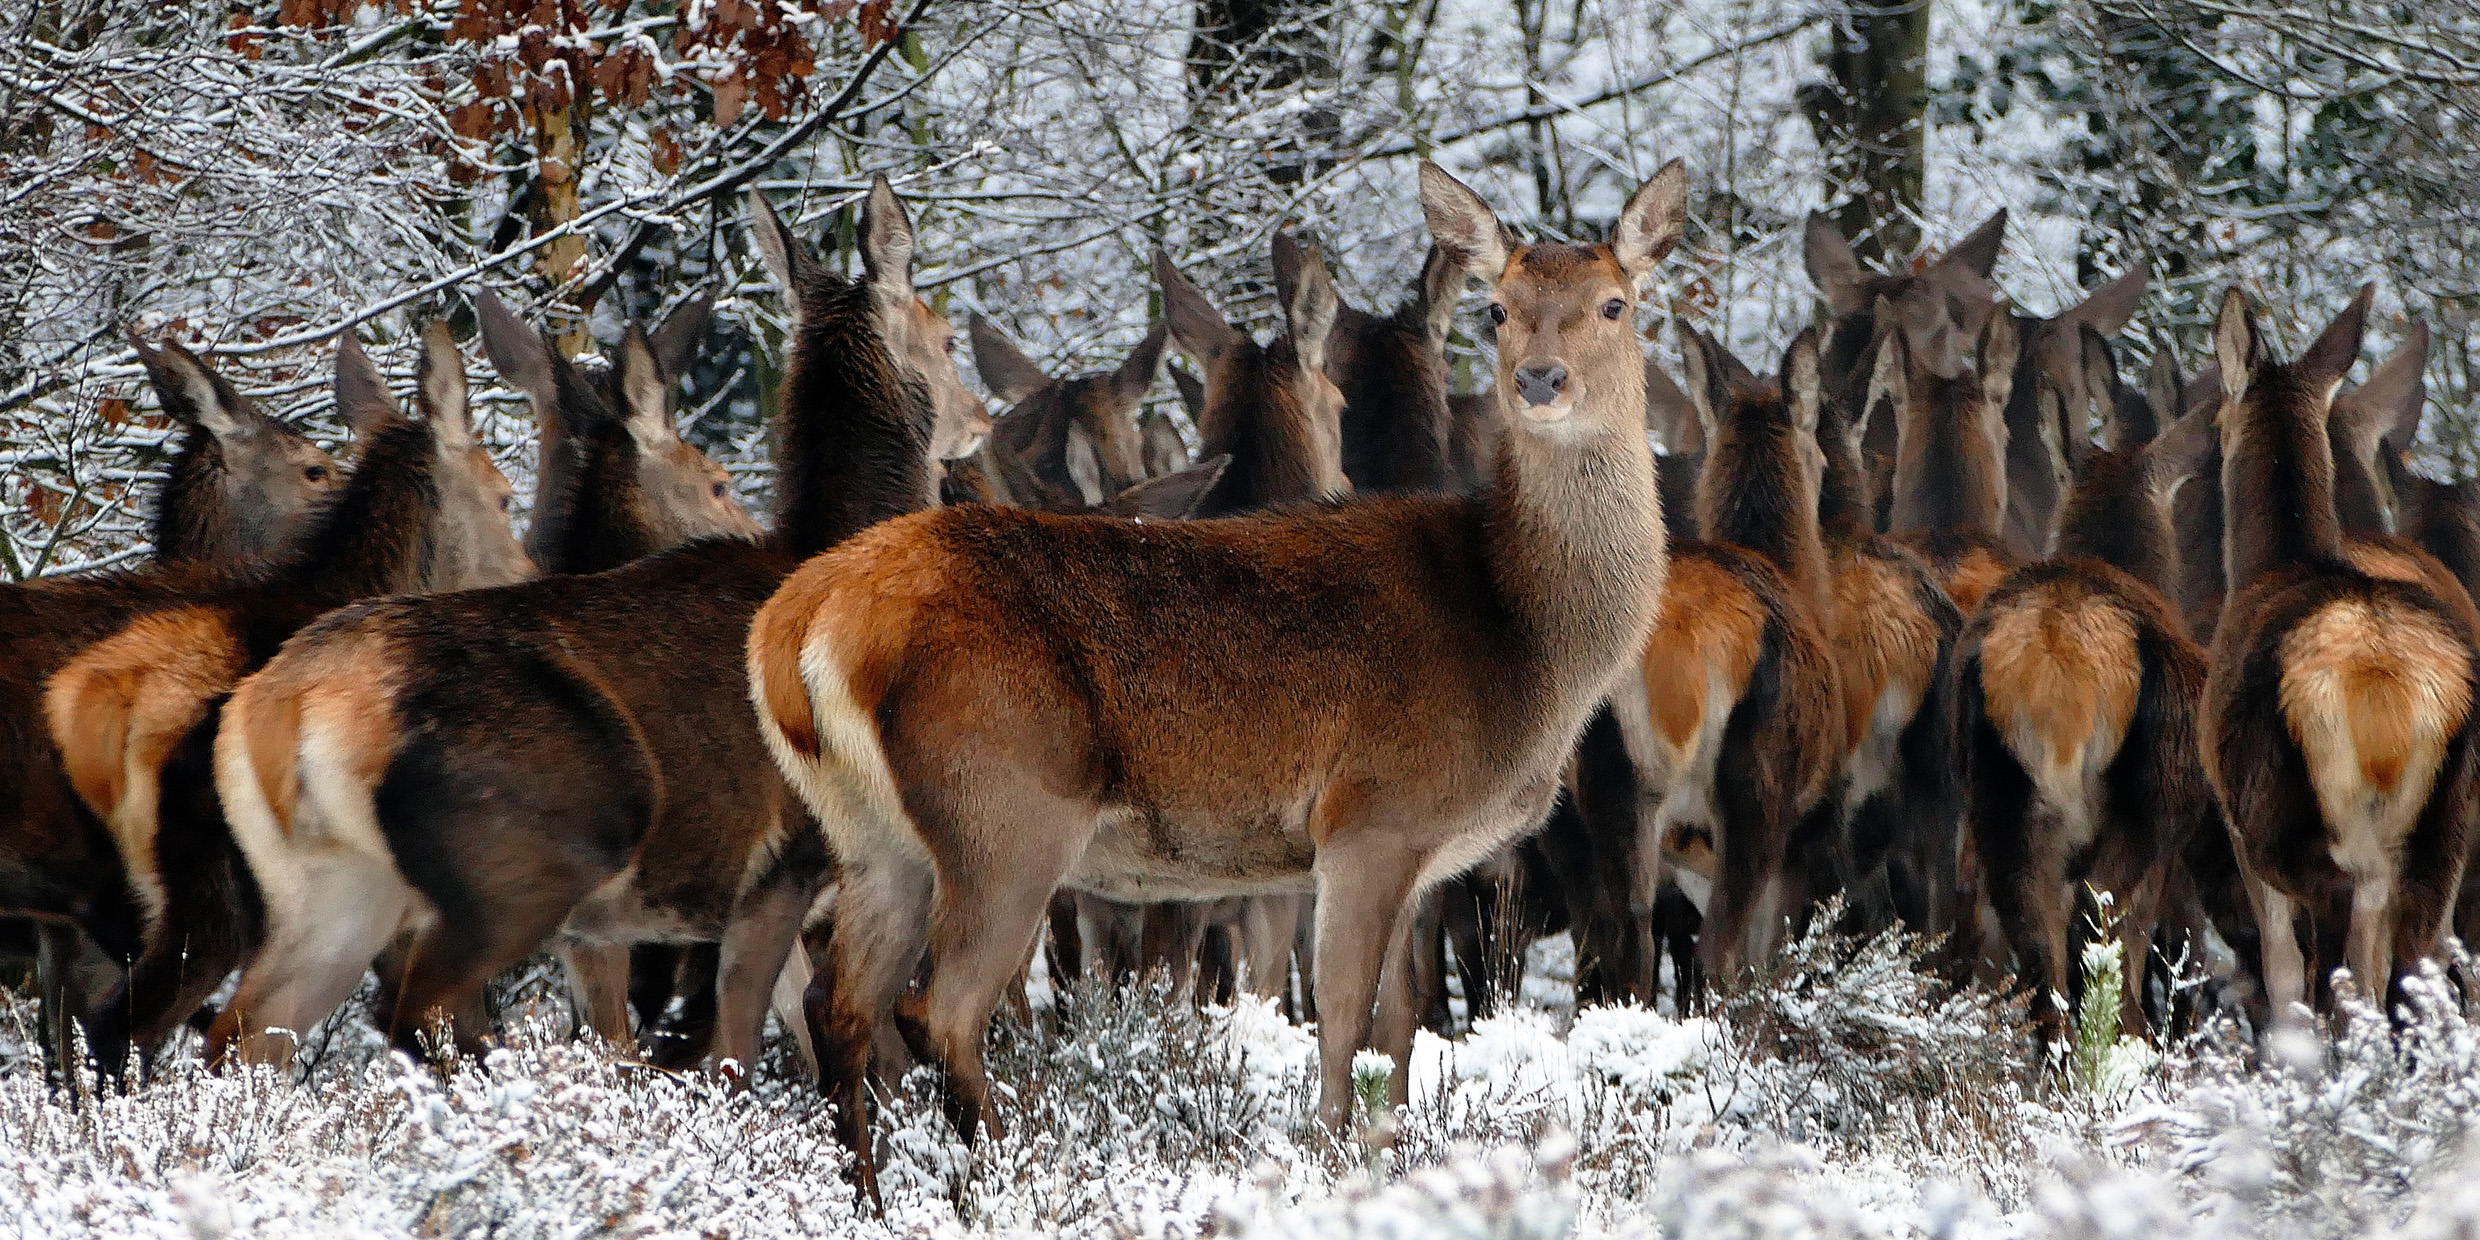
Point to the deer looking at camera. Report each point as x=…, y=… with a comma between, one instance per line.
x=982, y=704
x=242, y=487
x=491, y=769
x=2078, y=688
x=2338, y=711
x=131, y=715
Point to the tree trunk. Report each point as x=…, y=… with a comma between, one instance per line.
x=1248, y=47
x=1871, y=121
x=560, y=152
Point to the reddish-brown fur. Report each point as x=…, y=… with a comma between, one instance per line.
x=2337, y=720
x=1373, y=695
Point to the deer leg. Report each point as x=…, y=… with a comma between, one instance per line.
x=598, y=987
x=882, y=916
x=790, y=985
x=2371, y=950
x=1267, y=930
x=1365, y=889
x=1175, y=930
x=755, y=946
x=2140, y=914
x=982, y=926
x=1113, y=934
x=2286, y=972
x=1066, y=946
x=345, y=911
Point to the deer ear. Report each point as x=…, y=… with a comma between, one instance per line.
x=2337, y=349
x=362, y=394
x=1890, y=376
x=1707, y=382
x=1999, y=346
x=676, y=342
x=1803, y=382
x=2127, y=424
x=1084, y=465
x=2109, y=307
x=1442, y=278
x=193, y=394
x=439, y=388
x=1165, y=452
x=1463, y=225
x=1668, y=413
x=1004, y=368
x=2396, y=392
x=1311, y=309
x=1651, y=223
x=647, y=391
x=1287, y=264
x=1135, y=376
x=2238, y=347
x=2162, y=385
x=1198, y=328
x=1832, y=267
x=2179, y=452
x=785, y=257
x=1192, y=392
x=1172, y=496
x=887, y=240
x=520, y=355
x=1978, y=251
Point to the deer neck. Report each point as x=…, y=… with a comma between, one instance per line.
x=2110, y=515
x=1949, y=479
x=2277, y=482
x=1754, y=494
x=377, y=536
x=855, y=433
x=1576, y=548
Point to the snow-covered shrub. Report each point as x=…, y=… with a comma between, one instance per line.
x=1506, y=1195
x=2332, y=1133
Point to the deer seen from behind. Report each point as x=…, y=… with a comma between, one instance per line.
x=494, y=768
x=2337, y=714
x=131, y=715
x=982, y=704
x=2078, y=688
x=1949, y=480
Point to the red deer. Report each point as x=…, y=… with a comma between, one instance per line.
x=2337, y=720
x=2077, y=686
x=241, y=486
x=492, y=768
x=981, y=704
x=1950, y=475
x=1396, y=427
x=617, y=483
x=1078, y=437
x=1735, y=722
x=132, y=714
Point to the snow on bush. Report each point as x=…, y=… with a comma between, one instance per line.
x=1851, y=1094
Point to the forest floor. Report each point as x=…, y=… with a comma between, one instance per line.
x=1847, y=1095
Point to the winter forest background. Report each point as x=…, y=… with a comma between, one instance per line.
x=260, y=176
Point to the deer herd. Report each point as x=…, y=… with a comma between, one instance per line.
x=1945, y=616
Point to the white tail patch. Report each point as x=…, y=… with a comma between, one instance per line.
x=848, y=787
x=2373, y=691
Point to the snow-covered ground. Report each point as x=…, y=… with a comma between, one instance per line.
x=1847, y=1096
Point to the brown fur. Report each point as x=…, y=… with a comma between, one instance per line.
x=242, y=485
x=2337, y=718
x=1374, y=695
x=1270, y=408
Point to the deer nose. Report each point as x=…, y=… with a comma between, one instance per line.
x=1541, y=382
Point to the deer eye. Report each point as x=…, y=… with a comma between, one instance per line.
x=1498, y=313
x=950, y=346
x=507, y=502
x=1613, y=308
x=720, y=488
x=316, y=473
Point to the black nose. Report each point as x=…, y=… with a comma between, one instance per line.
x=1541, y=382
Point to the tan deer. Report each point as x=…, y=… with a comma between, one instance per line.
x=2338, y=711
x=982, y=704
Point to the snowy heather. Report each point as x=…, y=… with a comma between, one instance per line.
x=1781, y=1115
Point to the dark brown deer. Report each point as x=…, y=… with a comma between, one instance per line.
x=1397, y=429
x=1950, y=478
x=241, y=486
x=2337, y=720
x=1270, y=408
x=492, y=768
x=131, y=715
x=1077, y=436
x=1736, y=719
x=2078, y=688
x=982, y=704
